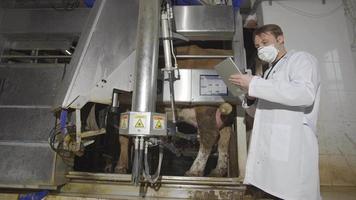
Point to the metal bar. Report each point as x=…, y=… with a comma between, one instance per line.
x=178, y=184
x=180, y=180
x=204, y=56
x=23, y=143
x=78, y=128
x=34, y=57
x=92, y=133
x=144, y=94
x=127, y=177
x=27, y=106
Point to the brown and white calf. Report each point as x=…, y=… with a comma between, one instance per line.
x=214, y=124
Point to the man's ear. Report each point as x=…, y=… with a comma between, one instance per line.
x=280, y=39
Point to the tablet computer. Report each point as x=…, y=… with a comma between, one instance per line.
x=225, y=69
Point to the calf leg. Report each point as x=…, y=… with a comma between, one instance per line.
x=208, y=132
x=123, y=163
x=197, y=169
x=207, y=140
x=223, y=147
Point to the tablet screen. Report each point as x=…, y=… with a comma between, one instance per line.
x=212, y=85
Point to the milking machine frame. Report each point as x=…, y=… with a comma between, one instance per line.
x=155, y=21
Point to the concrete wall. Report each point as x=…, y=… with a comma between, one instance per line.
x=322, y=29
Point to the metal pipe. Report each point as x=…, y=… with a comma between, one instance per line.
x=166, y=34
x=171, y=96
x=144, y=94
x=204, y=56
x=140, y=159
x=135, y=165
x=34, y=56
x=166, y=41
x=115, y=100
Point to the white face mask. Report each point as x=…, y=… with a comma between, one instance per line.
x=268, y=53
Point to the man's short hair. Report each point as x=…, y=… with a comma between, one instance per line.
x=274, y=29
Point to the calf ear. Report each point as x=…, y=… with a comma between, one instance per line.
x=225, y=108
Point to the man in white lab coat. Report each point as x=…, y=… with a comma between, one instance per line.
x=283, y=153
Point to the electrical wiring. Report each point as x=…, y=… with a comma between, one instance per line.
x=56, y=145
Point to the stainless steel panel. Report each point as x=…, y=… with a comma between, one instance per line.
x=205, y=22
x=43, y=21
x=182, y=88
x=187, y=89
x=25, y=124
x=108, y=38
x=26, y=95
x=29, y=84
x=121, y=77
x=26, y=165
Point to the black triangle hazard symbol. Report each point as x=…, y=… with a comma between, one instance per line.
x=139, y=124
x=158, y=125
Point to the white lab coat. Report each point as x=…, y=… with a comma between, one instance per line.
x=283, y=153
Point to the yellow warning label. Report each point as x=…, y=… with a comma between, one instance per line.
x=139, y=124
x=124, y=122
x=158, y=124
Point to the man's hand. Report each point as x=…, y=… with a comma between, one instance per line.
x=242, y=80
